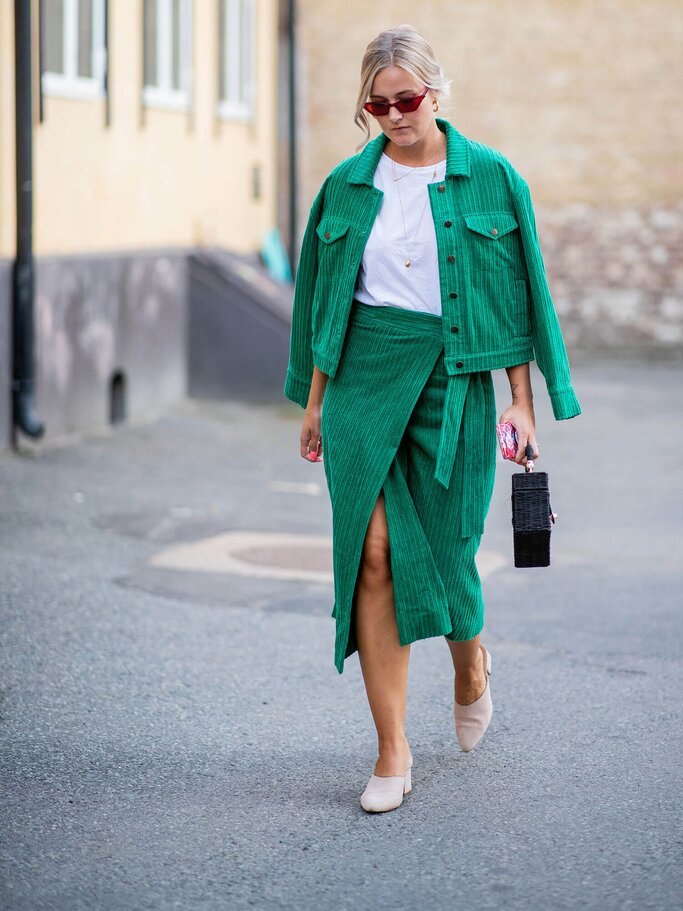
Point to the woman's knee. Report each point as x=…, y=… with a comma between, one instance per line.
x=376, y=558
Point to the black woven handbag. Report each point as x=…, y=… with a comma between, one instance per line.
x=531, y=515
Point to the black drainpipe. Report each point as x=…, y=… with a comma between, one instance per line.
x=23, y=402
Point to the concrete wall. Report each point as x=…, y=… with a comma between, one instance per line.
x=203, y=323
x=239, y=326
x=5, y=354
x=106, y=313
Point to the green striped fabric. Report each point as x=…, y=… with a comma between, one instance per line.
x=496, y=304
x=381, y=428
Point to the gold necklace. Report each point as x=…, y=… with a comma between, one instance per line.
x=405, y=238
x=401, y=176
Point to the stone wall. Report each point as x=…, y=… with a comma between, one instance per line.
x=616, y=275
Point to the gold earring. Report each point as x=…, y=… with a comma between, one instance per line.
x=435, y=105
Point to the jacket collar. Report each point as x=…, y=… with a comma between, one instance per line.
x=457, y=155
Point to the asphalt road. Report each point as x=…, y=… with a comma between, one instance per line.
x=179, y=738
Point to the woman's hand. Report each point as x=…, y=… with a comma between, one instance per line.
x=521, y=412
x=522, y=417
x=310, y=439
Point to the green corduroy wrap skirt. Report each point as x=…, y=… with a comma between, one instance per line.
x=394, y=421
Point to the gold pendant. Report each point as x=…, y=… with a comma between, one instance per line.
x=407, y=264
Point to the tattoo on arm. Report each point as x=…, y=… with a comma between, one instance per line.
x=513, y=388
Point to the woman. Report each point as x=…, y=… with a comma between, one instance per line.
x=420, y=272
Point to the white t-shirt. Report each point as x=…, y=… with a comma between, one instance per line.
x=383, y=278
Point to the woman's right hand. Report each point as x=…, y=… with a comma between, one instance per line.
x=310, y=439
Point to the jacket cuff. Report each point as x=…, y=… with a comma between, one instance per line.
x=296, y=389
x=565, y=403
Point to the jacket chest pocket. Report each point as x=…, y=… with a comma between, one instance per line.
x=492, y=240
x=333, y=234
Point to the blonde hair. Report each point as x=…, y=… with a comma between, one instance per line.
x=401, y=46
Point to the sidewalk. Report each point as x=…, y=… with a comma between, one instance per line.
x=175, y=734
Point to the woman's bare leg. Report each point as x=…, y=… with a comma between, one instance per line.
x=383, y=660
x=470, y=674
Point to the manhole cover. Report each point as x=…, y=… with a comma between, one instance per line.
x=248, y=553
x=313, y=558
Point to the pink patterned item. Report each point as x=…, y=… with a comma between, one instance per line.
x=507, y=439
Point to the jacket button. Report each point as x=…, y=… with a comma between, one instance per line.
x=459, y=364
x=455, y=329
x=327, y=235
x=441, y=188
x=453, y=294
x=447, y=224
x=494, y=231
x=451, y=258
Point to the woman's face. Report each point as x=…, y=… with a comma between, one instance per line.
x=392, y=83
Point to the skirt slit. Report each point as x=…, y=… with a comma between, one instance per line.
x=381, y=422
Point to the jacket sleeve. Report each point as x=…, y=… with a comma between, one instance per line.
x=549, y=347
x=300, y=368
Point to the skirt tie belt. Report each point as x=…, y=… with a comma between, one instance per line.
x=464, y=400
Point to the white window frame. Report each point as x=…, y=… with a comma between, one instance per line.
x=69, y=84
x=162, y=94
x=241, y=49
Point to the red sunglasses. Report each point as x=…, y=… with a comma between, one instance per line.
x=405, y=105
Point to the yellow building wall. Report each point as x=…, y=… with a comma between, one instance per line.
x=7, y=192
x=153, y=177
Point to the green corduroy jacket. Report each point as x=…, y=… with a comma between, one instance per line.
x=496, y=306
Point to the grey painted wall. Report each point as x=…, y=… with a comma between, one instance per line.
x=96, y=315
x=183, y=322
x=5, y=354
x=239, y=327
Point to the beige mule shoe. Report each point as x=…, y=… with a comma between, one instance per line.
x=385, y=792
x=472, y=720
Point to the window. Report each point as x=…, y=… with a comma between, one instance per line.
x=168, y=53
x=73, y=41
x=236, y=59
